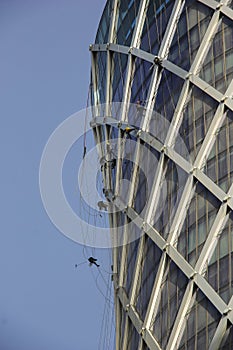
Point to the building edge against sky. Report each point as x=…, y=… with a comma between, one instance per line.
x=171, y=64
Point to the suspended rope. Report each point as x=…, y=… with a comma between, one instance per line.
x=104, y=287
x=98, y=287
x=84, y=212
x=108, y=324
x=101, y=284
x=77, y=265
x=105, y=271
x=85, y=123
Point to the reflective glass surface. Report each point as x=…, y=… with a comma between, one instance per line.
x=103, y=29
x=156, y=21
x=200, y=216
x=217, y=67
x=185, y=94
x=219, y=165
x=190, y=31
x=197, y=116
x=127, y=17
x=172, y=290
x=201, y=321
x=149, y=268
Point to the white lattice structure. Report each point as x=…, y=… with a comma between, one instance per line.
x=173, y=286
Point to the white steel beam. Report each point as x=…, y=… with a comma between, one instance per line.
x=195, y=68
x=122, y=272
x=212, y=240
x=225, y=10
x=210, y=137
x=117, y=321
x=183, y=205
x=137, y=271
x=176, y=332
x=142, y=11
x=218, y=336
x=153, y=199
x=171, y=67
x=162, y=54
x=137, y=322
x=135, y=42
x=150, y=340
x=187, y=167
x=126, y=97
x=152, y=202
x=221, y=331
x=171, y=27
x=205, y=44
x=113, y=23
x=94, y=82
x=155, y=295
x=210, y=3
x=126, y=333
x=140, y=344
x=178, y=259
x=168, y=246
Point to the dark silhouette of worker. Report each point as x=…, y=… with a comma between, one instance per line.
x=93, y=261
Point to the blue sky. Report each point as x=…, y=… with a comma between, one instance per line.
x=45, y=303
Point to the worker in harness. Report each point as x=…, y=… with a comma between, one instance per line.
x=93, y=261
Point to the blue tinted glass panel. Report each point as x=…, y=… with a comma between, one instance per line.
x=103, y=29
x=217, y=68
x=149, y=266
x=118, y=77
x=156, y=21
x=219, y=165
x=200, y=216
x=101, y=73
x=190, y=31
x=172, y=291
x=128, y=11
x=197, y=116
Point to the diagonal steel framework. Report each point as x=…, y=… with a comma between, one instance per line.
x=194, y=170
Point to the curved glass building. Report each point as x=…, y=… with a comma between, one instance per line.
x=161, y=91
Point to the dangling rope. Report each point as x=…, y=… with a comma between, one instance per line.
x=85, y=123
x=83, y=210
x=103, y=286
x=77, y=265
x=105, y=289
x=108, y=324
x=98, y=287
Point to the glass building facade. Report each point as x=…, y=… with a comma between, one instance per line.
x=163, y=69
